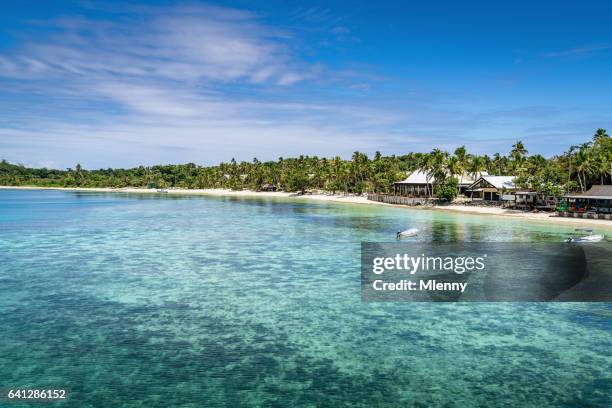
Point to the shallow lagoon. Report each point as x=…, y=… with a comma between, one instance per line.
x=146, y=301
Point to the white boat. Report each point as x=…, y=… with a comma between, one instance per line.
x=410, y=232
x=587, y=236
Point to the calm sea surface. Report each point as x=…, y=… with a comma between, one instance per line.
x=156, y=301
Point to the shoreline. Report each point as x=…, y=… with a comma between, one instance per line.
x=456, y=208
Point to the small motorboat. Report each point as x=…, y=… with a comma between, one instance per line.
x=410, y=232
x=587, y=236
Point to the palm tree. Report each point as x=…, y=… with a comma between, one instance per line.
x=78, y=175
x=600, y=135
x=602, y=150
x=601, y=166
x=498, y=164
x=518, y=150
x=476, y=166
x=462, y=161
x=338, y=175
x=486, y=160
x=359, y=171
x=585, y=165
x=570, y=160
x=453, y=166
x=437, y=167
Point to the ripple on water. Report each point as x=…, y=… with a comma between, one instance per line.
x=220, y=302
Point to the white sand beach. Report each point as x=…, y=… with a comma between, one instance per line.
x=340, y=198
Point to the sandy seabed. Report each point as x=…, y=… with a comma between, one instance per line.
x=340, y=198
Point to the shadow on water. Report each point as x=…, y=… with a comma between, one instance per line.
x=109, y=353
x=446, y=232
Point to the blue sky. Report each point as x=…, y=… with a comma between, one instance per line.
x=111, y=84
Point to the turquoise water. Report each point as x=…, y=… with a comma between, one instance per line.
x=147, y=301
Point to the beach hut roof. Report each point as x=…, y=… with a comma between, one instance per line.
x=597, y=192
x=420, y=177
x=417, y=177
x=467, y=179
x=499, y=182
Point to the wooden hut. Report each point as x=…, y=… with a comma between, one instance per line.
x=418, y=184
x=492, y=188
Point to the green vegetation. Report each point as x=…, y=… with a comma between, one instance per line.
x=447, y=190
x=575, y=170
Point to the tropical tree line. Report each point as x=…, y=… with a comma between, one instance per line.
x=575, y=170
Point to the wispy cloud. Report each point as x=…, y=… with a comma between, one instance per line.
x=318, y=15
x=209, y=81
x=144, y=85
x=578, y=51
x=195, y=43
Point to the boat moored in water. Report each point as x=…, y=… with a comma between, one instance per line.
x=410, y=232
x=587, y=236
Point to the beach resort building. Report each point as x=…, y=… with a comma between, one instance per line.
x=531, y=200
x=596, y=203
x=492, y=188
x=417, y=184
x=466, y=180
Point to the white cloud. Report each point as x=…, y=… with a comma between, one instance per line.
x=204, y=84
x=289, y=78
x=196, y=43
x=153, y=101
